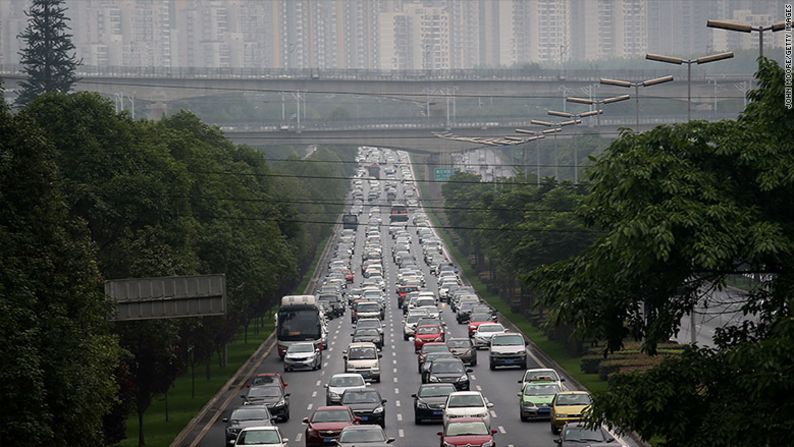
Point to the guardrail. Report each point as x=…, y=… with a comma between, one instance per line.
x=502, y=74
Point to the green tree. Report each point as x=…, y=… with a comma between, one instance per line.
x=681, y=207
x=48, y=58
x=57, y=352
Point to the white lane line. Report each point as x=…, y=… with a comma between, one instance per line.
x=330, y=349
x=318, y=383
x=502, y=430
x=394, y=361
x=394, y=370
x=396, y=391
x=397, y=403
x=394, y=353
x=325, y=365
x=493, y=414
x=395, y=380
x=479, y=388
x=298, y=437
x=399, y=417
x=401, y=433
x=314, y=393
x=472, y=377
x=309, y=407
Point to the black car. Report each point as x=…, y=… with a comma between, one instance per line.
x=463, y=313
x=363, y=435
x=367, y=405
x=246, y=416
x=424, y=368
x=463, y=349
x=370, y=335
x=429, y=401
x=577, y=434
x=272, y=396
x=450, y=371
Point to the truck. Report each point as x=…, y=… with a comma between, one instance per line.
x=349, y=221
x=299, y=319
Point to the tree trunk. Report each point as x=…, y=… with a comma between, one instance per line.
x=140, y=411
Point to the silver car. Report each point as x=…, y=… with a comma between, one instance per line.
x=303, y=356
x=341, y=382
x=261, y=437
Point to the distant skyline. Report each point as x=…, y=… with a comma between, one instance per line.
x=391, y=34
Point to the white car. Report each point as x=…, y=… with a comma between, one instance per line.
x=467, y=404
x=341, y=382
x=542, y=375
x=261, y=437
x=303, y=356
x=482, y=338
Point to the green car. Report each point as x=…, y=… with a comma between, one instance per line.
x=535, y=399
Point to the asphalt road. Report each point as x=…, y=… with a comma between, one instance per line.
x=399, y=375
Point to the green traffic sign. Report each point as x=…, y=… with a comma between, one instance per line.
x=443, y=174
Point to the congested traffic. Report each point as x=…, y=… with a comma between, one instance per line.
x=391, y=300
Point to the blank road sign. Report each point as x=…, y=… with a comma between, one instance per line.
x=167, y=297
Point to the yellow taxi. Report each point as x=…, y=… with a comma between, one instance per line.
x=567, y=406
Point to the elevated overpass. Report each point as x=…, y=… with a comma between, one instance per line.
x=161, y=84
x=417, y=137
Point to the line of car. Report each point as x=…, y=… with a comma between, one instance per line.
x=355, y=412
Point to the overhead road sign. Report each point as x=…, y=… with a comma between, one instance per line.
x=167, y=297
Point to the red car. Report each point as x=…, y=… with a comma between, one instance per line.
x=467, y=431
x=476, y=321
x=427, y=333
x=266, y=379
x=348, y=275
x=326, y=423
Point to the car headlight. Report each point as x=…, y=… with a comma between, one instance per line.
x=446, y=444
x=463, y=378
x=487, y=444
x=375, y=369
x=421, y=405
x=280, y=403
x=378, y=410
x=333, y=395
x=528, y=404
x=434, y=379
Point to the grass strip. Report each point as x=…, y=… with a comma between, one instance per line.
x=181, y=406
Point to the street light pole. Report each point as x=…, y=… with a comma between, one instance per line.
x=557, y=124
x=678, y=61
x=636, y=85
x=747, y=28
x=595, y=102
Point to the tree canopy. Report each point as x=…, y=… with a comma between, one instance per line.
x=48, y=58
x=682, y=207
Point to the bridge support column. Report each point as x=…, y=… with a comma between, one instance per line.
x=157, y=110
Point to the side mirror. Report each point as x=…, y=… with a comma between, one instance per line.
x=287, y=395
x=469, y=370
x=440, y=434
x=305, y=420
x=411, y=339
x=242, y=396
x=562, y=379
x=367, y=384
x=520, y=381
x=357, y=420
x=225, y=420
x=489, y=405
x=611, y=439
x=558, y=441
x=494, y=431
x=231, y=442
x=325, y=386
x=380, y=356
x=518, y=394
x=383, y=401
x=284, y=440
x=389, y=441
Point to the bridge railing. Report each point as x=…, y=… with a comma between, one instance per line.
x=498, y=74
x=408, y=123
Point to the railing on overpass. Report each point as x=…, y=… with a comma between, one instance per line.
x=423, y=123
x=500, y=74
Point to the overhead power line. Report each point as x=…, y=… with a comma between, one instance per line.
x=291, y=160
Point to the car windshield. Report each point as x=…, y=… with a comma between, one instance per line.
x=541, y=376
x=459, y=343
x=367, y=333
x=436, y=390
x=265, y=391
x=332, y=416
x=362, y=435
x=362, y=324
x=415, y=318
x=440, y=366
x=368, y=307
x=507, y=340
x=466, y=400
x=583, y=434
x=301, y=347
x=258, y=437
x=249, y=414
x=428, y=330
x=347, y=381
x=360, y=397
x=491, y=328
x=573, y=399
x=362, y=353
x=264, y=380
x=425, y=302
x=434, y=348
x=480, y=317
x=467, y=428
x=541, y=390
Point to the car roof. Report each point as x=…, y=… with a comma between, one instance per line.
x=347, y=375
x=332, y=407
x=571, y=392
x=361, y=344
x=262, y=427
x=467, y=419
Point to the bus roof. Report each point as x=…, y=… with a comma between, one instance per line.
x=291, y=300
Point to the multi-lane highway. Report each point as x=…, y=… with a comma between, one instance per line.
x=398, y=368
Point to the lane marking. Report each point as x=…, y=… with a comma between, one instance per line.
x=309, y=407
x=394, y=370
x=396, y=391
x=479, y=388
x=318, y=383
x=502, y=430
x=472, y=377
x=395, y=380
x=399, y=417
x=493, y=414
x=314, y=393
x=397, y=403
x=298, y=437
x=401, y=433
